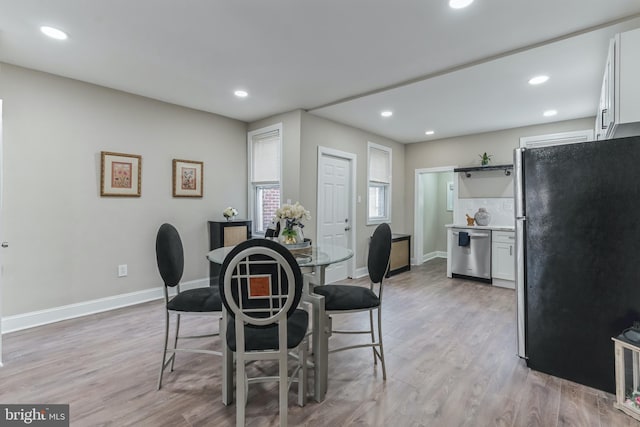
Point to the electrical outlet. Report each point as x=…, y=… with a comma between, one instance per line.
x=122, y=270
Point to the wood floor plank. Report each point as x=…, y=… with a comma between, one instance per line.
x=450, y=351
x=578, y=406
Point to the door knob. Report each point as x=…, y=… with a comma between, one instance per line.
x=347, y=228
x=5, y=244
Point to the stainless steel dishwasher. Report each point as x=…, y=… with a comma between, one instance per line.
x=472, y=260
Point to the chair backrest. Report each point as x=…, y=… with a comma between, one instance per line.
x=169, y=255
x=273, y=232
x=379, y=253
x=260, y=282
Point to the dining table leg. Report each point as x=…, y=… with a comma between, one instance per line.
x=321, y=330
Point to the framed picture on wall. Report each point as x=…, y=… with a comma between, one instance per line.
x=450, y=196
x=120, y=174
x=187, y=178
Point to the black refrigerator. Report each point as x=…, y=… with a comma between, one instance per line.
x=577, y=210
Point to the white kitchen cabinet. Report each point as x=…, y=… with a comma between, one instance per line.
x=619, y=107
x=503, y=258
x=605, y=116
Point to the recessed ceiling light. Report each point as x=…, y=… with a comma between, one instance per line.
x=241, y=93
x=54, y=33
x=429, y=132
x=550, y=113
x=538, y=80
x=459, y=4
x=386, y=113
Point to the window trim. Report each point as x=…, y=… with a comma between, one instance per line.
x=388, y=185
x=251, y=195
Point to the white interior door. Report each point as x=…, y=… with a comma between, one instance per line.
x=336, y=207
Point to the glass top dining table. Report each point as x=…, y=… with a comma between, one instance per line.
x=312, y=256
x=313, y=261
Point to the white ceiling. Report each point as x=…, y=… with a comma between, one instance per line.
x=454, y=71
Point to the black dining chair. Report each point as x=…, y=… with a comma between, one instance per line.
x=342, y=299
x=195, y=302
x=273, y=232
x=261, y=286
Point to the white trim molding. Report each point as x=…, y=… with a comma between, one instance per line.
x=557, y=138
x=32, y=319
x=361, y=272
x=434, y=255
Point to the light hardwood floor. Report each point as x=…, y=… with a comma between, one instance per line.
x=449, y=345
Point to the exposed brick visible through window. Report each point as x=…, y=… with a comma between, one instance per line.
x=270, y=203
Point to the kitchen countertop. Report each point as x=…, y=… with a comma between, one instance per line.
x=484, y=227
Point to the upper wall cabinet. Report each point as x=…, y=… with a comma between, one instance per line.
x=619, y=109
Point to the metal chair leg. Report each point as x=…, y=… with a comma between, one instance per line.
x=302, y=373
x=373, y=337
x=241, y=393
x=284, y=388
x=164, y=351
x=175, y=343
x=384, y=369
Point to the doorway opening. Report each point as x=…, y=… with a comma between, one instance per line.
x=436, y=193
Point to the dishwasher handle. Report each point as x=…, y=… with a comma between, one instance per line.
x=456, y=233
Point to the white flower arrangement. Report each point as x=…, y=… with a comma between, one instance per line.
x=230, y=212
x=292, y=215
x=295, y=212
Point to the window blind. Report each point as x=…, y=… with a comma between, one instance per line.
x=379, y=165
x=265, y=149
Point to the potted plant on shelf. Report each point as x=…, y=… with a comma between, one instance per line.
x=485, y=159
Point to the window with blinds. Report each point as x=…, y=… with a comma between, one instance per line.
x=265, y=164
x=379, y=183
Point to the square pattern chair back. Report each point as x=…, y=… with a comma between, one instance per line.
x=260, y=282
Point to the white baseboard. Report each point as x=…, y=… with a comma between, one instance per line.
x=65, y=312
x=504, y=283
x=361, y=272
x=433, y=255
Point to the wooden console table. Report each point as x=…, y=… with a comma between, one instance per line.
x=225, y=233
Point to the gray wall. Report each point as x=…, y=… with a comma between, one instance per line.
x=65, y=240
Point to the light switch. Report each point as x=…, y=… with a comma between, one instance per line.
x=122, y=270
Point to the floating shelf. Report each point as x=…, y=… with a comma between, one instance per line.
x=467, y=171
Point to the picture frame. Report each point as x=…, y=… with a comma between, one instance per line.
x=450, y=196
x=187, y=178
x=120, y=174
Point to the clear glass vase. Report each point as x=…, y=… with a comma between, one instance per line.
x=290, y=233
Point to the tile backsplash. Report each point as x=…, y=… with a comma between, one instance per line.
x=501, y=210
